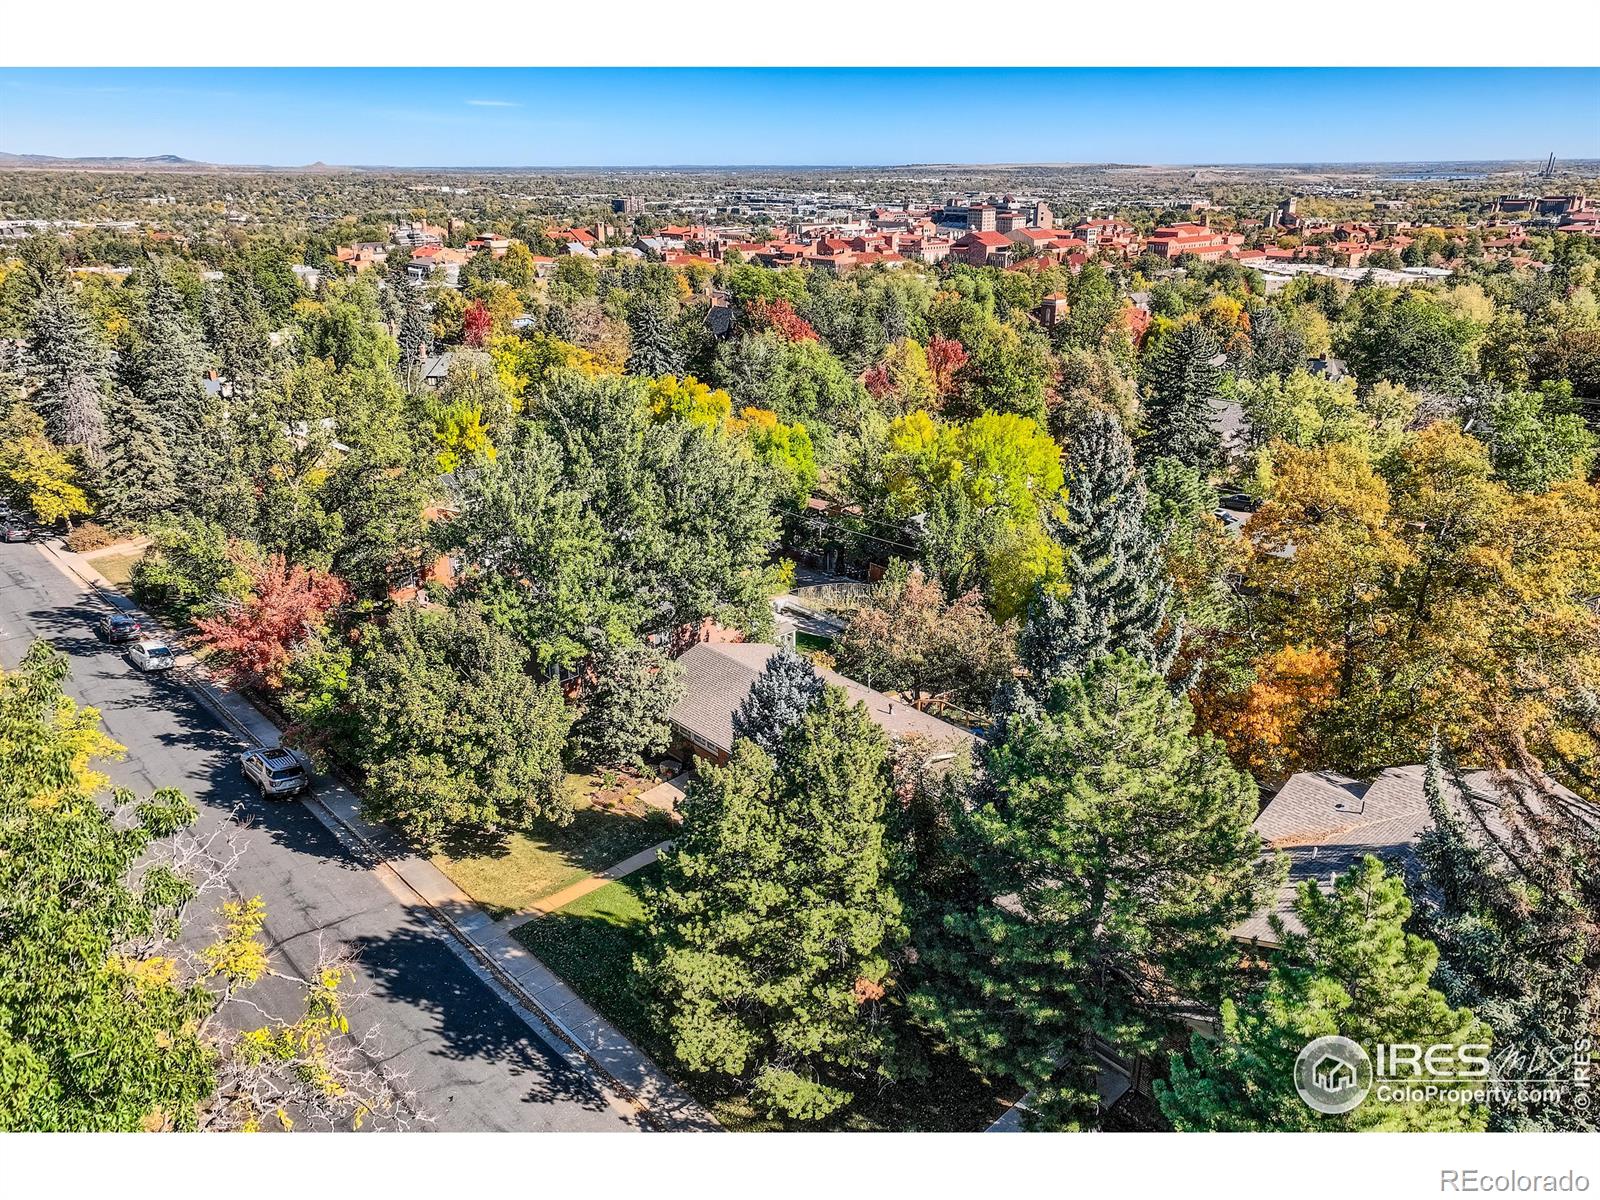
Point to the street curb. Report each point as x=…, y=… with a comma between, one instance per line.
x=203, y=690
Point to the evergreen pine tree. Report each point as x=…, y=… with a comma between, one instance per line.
x=1120, y=592
x=168, y=366
x=70, y=362
x=416, y=334
x=1105, y=865
x=140, y=482
x=778, y=700
x=242, y=334
x=774, y=920
x=1182, y=382
x=1354, y=971
x=1276, y=346
x=656, y=348
x=1516, y=936
x=625, y=705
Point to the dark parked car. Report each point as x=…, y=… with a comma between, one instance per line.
x=1238, y=502
x=117, y=627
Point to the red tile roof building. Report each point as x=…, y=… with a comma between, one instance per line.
x=1173, y=240
x=981, y=248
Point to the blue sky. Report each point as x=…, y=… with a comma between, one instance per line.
x=826, y=116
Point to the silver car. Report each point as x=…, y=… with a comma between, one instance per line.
x=275, y=771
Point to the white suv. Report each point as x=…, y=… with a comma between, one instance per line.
x=152, y=656
x=275, y=771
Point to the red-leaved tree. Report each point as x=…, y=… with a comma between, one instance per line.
x=946, y=356
x=254, y=641
x=780, y=316
x=477, y=322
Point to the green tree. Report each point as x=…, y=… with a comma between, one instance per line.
x=531, y=550
x=1354, y=971
x=1537, y=439
x=378, y=492
x=415, y=336
x=242, y=334
x=113, y=1017
x=1512, y=918
x=987, y=489
x=169, y=362
x=778, y=700
x=627, y=694
x=774, y=920
x=192, y=566
x=1182, y=386
x=1277, y=345
x=656, y=348
x=140, y=481
x=69, y=360
x=346, y=325
x=1103, y=866
x=1409, y=338
x=697, y=508
x=454, y=737
x=1119, y=591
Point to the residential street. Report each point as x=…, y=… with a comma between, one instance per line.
x=471, y=1060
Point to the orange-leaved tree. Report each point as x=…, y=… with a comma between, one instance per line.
x=286, y=604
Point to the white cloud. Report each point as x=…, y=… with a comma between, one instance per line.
x=494, y=103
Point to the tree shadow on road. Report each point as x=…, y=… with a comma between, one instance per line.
x=415, y=966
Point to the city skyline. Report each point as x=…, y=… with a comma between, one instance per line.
x=797, y=117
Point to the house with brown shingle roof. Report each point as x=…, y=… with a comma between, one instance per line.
x=718, y=676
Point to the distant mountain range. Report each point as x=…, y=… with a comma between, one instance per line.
x=169, y=163
x=174, y=164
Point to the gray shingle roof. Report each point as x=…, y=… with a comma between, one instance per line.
x=717, y=677
x=1325, y=823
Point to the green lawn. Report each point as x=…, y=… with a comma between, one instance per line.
x=591, y=943
x=807, y=643
x=512, y=873
x=118, y=567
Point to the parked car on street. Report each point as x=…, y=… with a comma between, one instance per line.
x=275, y=771
x=117, y=628
x=152, y=655
x=1238, y=502
x=15, y=532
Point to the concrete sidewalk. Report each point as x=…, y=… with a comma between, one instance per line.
x=551, y=1009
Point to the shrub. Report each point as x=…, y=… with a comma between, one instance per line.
x=91, y=535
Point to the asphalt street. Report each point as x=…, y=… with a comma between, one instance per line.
x=470, y=1061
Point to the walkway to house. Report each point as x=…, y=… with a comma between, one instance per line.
x=583, y=887
x=668, y=796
